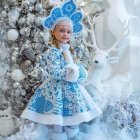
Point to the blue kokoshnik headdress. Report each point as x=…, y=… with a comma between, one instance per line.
x=69, y=11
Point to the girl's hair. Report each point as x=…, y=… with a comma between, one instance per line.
x=54, y=42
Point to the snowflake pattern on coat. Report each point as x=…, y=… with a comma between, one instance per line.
x=55, y=95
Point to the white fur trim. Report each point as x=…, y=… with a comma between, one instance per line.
x=65, y=49
x=64, y=46
x=89, y=100
x=72, y=72
x=59, y=136
x=58, y=119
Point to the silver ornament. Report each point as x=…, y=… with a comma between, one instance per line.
x=22, y=21
x=38, y=47
x=23, y=92
x=38, y=7
x=30, y=19
x=16, y=49
x=13, y=16
x=3, y=14
x=27, y=63
x=38, y=21
x=6, y=7
x=41, y=34
x=14, y=59
x=15, y=54
x=38, y=57
x=17, y=92
x=31, y=8
x=23, y=31
x=5, y=86
x=4, y=106
x=28, y=70
x=16, y=85
x=25, y=4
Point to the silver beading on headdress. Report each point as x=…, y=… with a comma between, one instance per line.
x=69, y=10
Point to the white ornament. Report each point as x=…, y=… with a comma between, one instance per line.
x=27, y=63
x=13, y=16
x=12, y=34
x=30, y=19
x=23, y=92
x=16, y=84
x=38, y=57
x=22, y=21
x=25, y=4
x=4, y=14
x=5, y=86
x=7, y=126
x=38, y=21
x=23, y=31
x=38, y=7
x=17, y=75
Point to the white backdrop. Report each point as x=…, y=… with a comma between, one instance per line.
x=108, y=29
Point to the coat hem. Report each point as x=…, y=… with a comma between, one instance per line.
x=58, y=119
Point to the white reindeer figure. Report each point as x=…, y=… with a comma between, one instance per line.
x=100, y=60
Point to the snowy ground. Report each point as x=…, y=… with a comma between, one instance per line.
x=97, y=130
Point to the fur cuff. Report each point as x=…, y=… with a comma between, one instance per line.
x=72, y=72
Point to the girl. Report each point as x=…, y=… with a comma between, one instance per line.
x=61, y=101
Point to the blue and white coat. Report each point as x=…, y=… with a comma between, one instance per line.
x=59, y=101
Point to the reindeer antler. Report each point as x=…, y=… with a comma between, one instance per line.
x=91, y=31
x=91, y=23
x=124, y=32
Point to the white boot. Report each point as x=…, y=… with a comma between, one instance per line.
x=71, y=132
x=59, y=136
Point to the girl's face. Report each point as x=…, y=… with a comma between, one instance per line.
x=62, y=31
